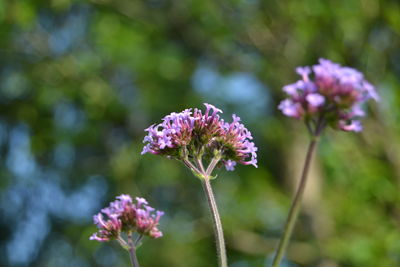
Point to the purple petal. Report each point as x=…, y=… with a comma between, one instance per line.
x=315, y=100
x=371, y=90
x=291, y=89
x=209, y=107
x=141, y=201
x=289, y=108
x=354, y=126
x=304, y=72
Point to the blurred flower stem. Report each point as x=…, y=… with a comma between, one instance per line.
x=132, y=251
x=296, y=204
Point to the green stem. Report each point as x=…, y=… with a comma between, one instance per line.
x=132, y=251
x=137, y=241
x=219, y=235
x=205, y=175
x=296, y=204
x=212, y=165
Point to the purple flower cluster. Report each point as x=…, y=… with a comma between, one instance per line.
x=192, y=134
x=334, y=94
x=125, y=216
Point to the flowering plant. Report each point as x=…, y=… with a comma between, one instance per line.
x=333, y=96
x=194, y=138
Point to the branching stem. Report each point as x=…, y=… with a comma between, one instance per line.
x=218, y=231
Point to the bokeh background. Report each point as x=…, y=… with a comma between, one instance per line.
x=79, y=81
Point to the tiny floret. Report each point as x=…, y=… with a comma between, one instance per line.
x=230, y=165
x=328, y=92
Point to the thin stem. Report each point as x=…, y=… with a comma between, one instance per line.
x=309, y=128
x=219, y=235
x=294, y=210
x=212, y=165
x=218, y=232
x=199, y=162
x=132, y=251
x=137, y=241
x=190, y=166
x=132, y=254
x=122, y=242
x=187, y=162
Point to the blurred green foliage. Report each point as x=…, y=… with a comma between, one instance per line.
x=79, y=81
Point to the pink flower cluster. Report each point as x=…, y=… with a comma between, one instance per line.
x=125, y=216
x=333, y=93
x=190, y=133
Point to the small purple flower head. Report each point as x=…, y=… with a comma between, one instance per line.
x=236, y=145
x=332, y=94
x=126, y=216
x=109, y=229
x=193, y=134
x=147, y=221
